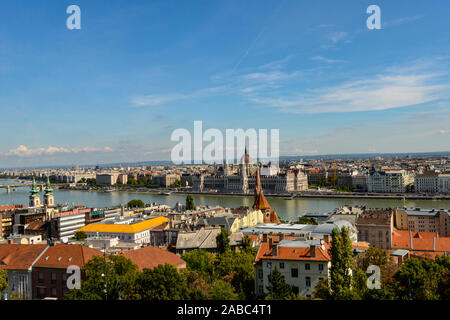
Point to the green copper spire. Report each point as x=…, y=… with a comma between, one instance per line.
x=48, y=188
x=34, y=191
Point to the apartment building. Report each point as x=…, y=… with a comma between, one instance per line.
x=303, y=263
x=389, y=181
x=423, y=220
x=49, y=272
x=66, y=224
x=107, y=178
x=376, y=226
x=444, y=183
x=427, y=183
x=165, y=180
x=18, y=260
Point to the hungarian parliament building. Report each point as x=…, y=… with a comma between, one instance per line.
x=244, y=181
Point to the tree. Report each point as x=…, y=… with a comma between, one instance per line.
x=222, y=290
x=322, y=290
x=136, y=204
x=176, y=184
x=306, y=220
x=246, y=243
x=199, y=261
x=421, y=279
x=3, y=280
x=341, y=265
x=198, y=286
x=189, y=202
x=120, y=279
x=162, y=283
x=223, y=241
x=278, y=288
x=80, y=236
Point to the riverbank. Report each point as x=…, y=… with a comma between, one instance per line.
x=287, y=196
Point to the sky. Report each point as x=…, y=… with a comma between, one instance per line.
x=115, y=90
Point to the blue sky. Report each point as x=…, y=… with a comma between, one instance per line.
x=116, y=89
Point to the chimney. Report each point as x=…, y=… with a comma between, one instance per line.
x=10, y=241
x=313, y=251
x=326, y=238
x=411, y=239
x=273, y=246
x=264, y=237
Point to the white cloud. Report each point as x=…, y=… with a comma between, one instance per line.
x=323, y=59
x=400, y=21
x=156, y=99
x=384, y=91
x=24, y=151
x=277, y=64
x=270, y=76
x=338, y=36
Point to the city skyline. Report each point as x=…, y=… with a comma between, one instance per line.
x=115, y=90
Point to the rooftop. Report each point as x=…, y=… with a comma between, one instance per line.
x=131, y=227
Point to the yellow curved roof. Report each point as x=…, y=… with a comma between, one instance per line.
x=124, y=228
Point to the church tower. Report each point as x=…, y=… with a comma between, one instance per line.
x=49, y=198
x=35, y=200
x=261, y=202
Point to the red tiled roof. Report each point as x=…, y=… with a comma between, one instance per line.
x=11, y=207
x=35, y=225
x=151, y=257
x=290, y=253
x=19, y=256
x=421, y=241
x=425, y=254
x=65, y=255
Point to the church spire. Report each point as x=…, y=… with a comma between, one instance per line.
x=261, y=202
x=34, y=190
x=48, y=187
x=35, y=200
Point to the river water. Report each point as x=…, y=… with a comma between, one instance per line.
x=286, y=209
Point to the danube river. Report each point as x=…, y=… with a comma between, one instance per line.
x=286, y=209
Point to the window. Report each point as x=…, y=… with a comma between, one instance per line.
x=307, y=266
x=308, y=282
x=294, y=273
x=41, y=276
x=261, y=290
x=320, y=266
x=281, y=265
x=53, y=292
x=260, y=273
x=269, y=265
x=53, y=276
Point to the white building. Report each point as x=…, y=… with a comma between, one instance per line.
x=389, y=181
x=302, y=263
x=427, y=183
x=129, y=230
x=66, y=224
x=444, y=182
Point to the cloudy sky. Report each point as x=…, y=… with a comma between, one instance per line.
x=115, y=90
